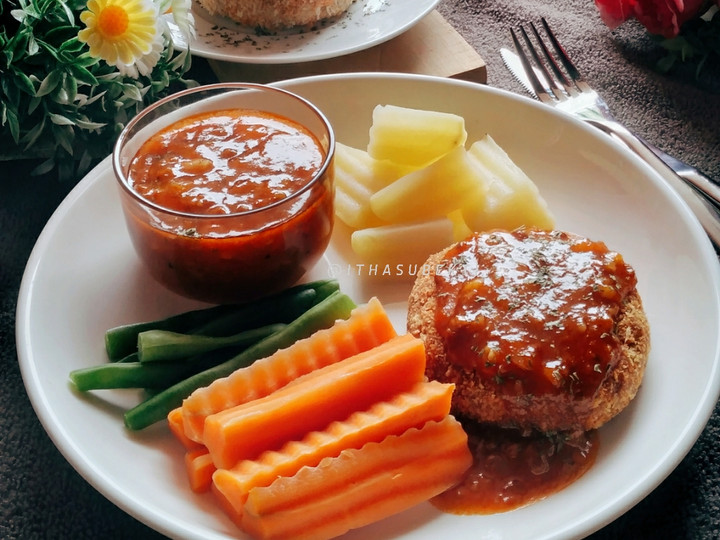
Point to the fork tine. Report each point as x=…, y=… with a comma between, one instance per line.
x=539, y=88
x=560, y=79
x=564, y=58
x=555, y=85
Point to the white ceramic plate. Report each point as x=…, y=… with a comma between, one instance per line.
x=365, y=24
x=83, y=277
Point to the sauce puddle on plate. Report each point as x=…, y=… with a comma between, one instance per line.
x=512, y=469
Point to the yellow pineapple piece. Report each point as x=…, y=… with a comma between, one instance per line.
x=414, y=137
x=403, y=243
x=430, y=192
x=357, y=177
x=511, y=199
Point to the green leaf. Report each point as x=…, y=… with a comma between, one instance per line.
x=33, y=135
x=86, y=60
x=132, y=92
x=64, y=136
x=89, y=125
x=70, y=87
x=11, y=120
x=666, y=63
x=60, y=119
x=23, y=82
x=44, y=168
x=68, y=12
x=34, y=103
x=50, y=49
x=32, y=46
x=85, y=161
x=72, y=46
x=50, y=82
x=83, y=75
x=87, y=101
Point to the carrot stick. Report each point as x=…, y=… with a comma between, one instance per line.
x=367, y=326
x=425, y=401
x=360, y=486
x=175, y=423
x=200, y=469
x=314, y=400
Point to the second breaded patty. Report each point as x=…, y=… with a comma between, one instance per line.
x=276, y=14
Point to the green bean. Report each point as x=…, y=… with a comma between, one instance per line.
x=322, y=315
x=122, y=340
x=154, y=375
x=163, y=345
x=279, y=310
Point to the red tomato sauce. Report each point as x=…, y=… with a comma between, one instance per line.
x=532, y=312
x=226, y=162
x=258, y=222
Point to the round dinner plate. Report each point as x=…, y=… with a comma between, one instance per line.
x=83, y=277
x=366, y=23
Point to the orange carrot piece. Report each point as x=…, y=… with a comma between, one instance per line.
x=175, y=423
x=224, y=505
x=360, y=486
x=367, y=327
x=200, y=469
x=313, y=401
x=425, y=401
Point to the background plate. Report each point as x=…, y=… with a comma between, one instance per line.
x=366, y=23
x=83, y=277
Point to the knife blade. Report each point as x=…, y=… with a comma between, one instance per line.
x=682, y=169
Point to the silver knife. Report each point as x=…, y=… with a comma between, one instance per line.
x=682, y=169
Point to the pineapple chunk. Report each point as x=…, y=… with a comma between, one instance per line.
x=373, y=173
x=430, y=192
x=352, y=211
x=511, y=199
x=412, y=136
x=402, y=245
x=357, y=177
x=460, y=228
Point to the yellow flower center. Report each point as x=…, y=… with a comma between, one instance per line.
x=113, y=21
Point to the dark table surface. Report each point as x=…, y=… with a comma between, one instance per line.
x=42, y=496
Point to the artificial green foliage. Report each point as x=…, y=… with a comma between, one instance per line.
x=58, y=103
x=698, y=41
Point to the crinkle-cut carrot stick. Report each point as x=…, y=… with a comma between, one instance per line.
x=175, y=423
x=367, y=327
x=360, y=486
x=200, y=469
x=425, y=401
x=198, y=463
x=313, y=401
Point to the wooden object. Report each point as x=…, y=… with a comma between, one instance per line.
x=431, y=47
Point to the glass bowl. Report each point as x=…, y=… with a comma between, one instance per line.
x=226, y=253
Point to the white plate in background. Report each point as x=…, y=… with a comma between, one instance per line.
x=83, y=277
x=366, y=23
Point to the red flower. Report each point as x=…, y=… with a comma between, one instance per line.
x=662, y=17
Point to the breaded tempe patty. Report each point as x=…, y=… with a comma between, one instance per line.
x=537, y=329
x=276, y=14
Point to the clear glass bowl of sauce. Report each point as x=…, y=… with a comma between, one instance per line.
x=227, y=189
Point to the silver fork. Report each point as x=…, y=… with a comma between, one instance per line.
x=570, y=92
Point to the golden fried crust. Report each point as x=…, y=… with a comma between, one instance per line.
x=276, y=14
x=475, y=400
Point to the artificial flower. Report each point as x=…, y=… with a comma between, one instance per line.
x=181, y=15
x=124, y=33
x=74, y=72
x=688, y=30
x=660, y=17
